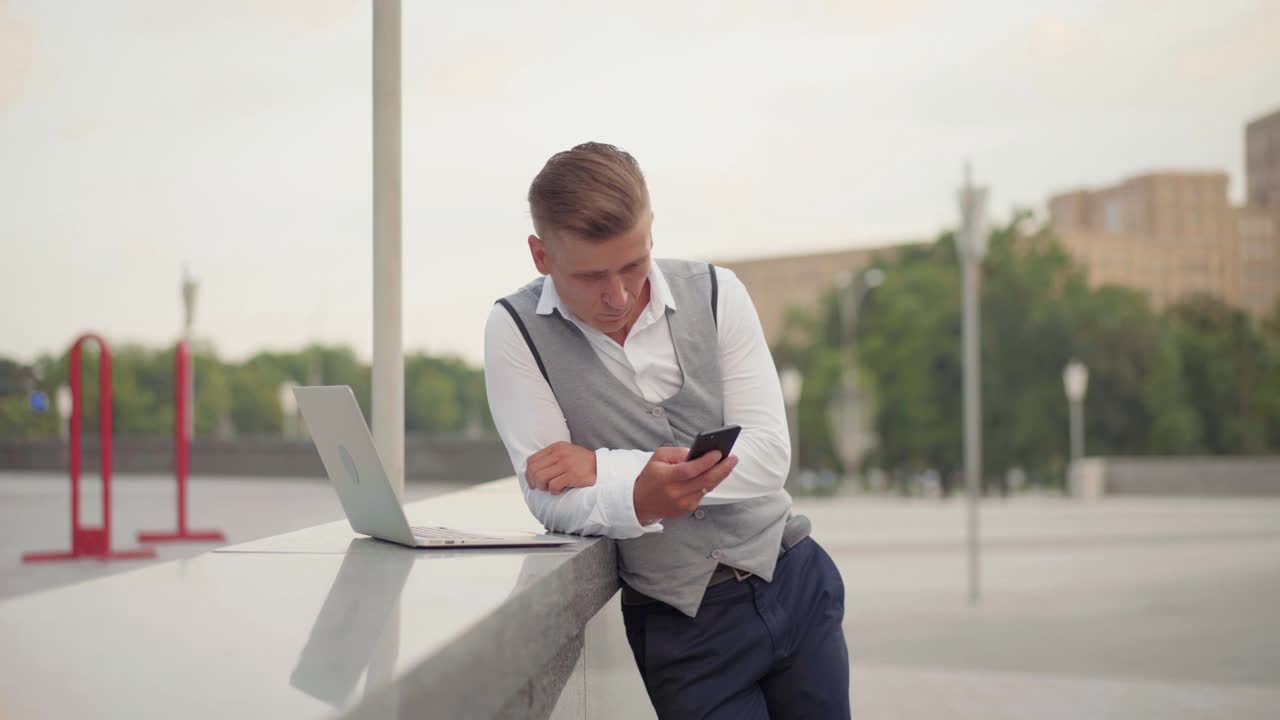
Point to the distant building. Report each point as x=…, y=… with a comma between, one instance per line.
x=1262, y=161
x=1173, y=234
x=777, y=283
x=1259, y=258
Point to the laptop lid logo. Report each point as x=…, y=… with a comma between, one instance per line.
x=349, y=464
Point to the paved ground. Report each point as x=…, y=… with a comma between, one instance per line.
x=1123, y=609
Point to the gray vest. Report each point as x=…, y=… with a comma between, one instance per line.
x=675, y=565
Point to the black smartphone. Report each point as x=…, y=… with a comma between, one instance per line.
x=722, y=440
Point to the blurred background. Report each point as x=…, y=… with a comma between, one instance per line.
x=203, y=171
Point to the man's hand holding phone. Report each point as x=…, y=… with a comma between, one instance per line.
x=672, y=483
x=671, y=486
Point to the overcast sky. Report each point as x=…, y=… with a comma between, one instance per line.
x=235, y=136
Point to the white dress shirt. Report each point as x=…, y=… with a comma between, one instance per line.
x=528, y=418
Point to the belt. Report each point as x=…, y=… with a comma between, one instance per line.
x=723, y=572
x=797, y=529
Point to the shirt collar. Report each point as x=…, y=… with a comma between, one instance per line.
x=659, y=294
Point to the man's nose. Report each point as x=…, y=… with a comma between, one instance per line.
x=615, y=295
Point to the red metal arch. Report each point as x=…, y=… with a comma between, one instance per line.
x=92, y=542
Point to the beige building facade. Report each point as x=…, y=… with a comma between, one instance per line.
x=1173, y=235
x=1262, y=161
x=778, y=283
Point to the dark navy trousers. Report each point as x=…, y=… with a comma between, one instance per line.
x=755, y=650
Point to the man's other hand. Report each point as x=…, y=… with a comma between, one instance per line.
x=561, y=466
x=669, y=486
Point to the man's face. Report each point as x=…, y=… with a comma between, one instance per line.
x=601, y=282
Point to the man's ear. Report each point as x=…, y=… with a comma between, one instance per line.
x=538, y=250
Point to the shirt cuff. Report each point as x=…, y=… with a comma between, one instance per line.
x=616, y=473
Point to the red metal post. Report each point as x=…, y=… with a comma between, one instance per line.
x=76, y=419
x=181, y=458
x=106, y=435
x=90, y=541
x=182, y=446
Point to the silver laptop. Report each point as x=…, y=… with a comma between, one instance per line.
x=347, y=451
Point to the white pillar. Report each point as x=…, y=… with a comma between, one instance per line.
x=388, y=355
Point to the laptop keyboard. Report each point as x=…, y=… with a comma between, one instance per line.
x=439, y=533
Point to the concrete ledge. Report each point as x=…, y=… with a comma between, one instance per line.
x=517, y=658
x=287, y=626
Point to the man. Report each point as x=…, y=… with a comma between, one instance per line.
x=599, y=374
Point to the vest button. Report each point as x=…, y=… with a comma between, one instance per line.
x=657, y=412
x=715, y=554
x=700, y=513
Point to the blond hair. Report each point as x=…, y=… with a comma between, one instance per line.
x=594, y=191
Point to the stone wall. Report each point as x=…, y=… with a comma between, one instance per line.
x=1224, y=476
x=427, y=458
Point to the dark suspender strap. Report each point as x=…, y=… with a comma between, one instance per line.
x=528, y=340
x=715, y=295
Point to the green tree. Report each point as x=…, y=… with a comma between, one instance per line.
x=17, y=418
x=1196, y=379
x=255, y=404
x=19, y=421
x=12, y=376
x=434, y=402
x=1176, y=428
x=142, y=391
x=1228, y=373
x=810, y=345
x=1271, y=324
x=443, y=394
x=212, y=393
x=1269, y=393
x=908, y=341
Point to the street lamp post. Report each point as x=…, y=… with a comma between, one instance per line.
x=792, y=383
x=189, y=289
x=1075, y=380
x=851, y=290
x=971, y=241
